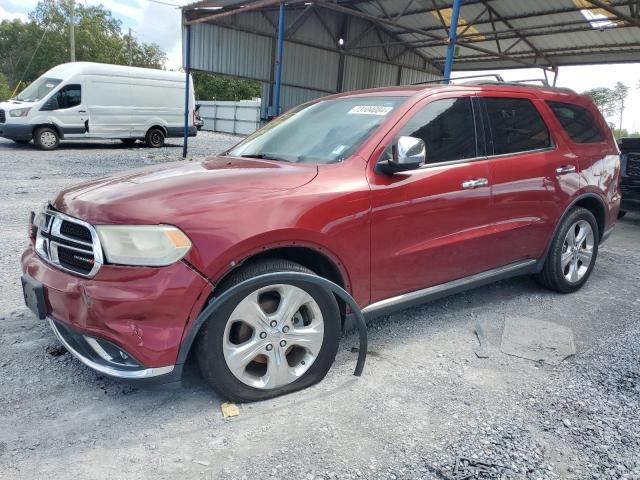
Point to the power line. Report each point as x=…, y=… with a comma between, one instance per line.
x=160, y=2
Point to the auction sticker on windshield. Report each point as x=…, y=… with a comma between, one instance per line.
x=370, y=110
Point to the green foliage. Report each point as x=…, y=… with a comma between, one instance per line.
x=622, y=133
x=98, y=39
x=5, y=93
x=215, y=87
x=610, y=101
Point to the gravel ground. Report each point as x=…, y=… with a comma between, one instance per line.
x=424, y=400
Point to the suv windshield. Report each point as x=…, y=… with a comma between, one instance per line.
x=38, y=89
x=327, y=131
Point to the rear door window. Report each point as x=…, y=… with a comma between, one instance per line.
x=447, y=128
x=577, y=121
x=516, y=125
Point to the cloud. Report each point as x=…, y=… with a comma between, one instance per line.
x=162, y=24
x=5, y=15
x=121, y=8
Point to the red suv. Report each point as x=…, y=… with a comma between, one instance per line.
x=398, y=195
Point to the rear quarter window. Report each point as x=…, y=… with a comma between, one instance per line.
x=516, y=125
x=578, y=122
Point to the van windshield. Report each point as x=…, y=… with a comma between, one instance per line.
x=38, y=89
x=327, y=131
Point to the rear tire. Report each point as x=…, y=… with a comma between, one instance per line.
x=155, y=137
x=263, y=374
x=46, y=138
x=572, y=254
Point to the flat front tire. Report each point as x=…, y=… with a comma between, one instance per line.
x=46, y=138
x=269, y=339
x=572, y=254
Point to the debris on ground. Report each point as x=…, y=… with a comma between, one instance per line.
x=482, y=351
x=229, y=410
x=537, y=340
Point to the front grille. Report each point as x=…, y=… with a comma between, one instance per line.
x=68, y=243
x=3, y=118
x=633, y=165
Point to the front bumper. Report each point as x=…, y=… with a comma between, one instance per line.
x=14, y=131
x=93, y=355
x=140, y=311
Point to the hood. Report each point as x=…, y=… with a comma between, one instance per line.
x=166, y=193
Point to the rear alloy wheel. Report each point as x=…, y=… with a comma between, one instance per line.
x=46, y=138
x=155, y=137
x=572, y=254
x=274, y=339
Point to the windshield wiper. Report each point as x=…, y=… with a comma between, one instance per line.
x=263, y=156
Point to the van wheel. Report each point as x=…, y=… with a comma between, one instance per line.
x=155, y=137
x=46, y=138
x=573, y=253
x=128, y=141
x=269, y=339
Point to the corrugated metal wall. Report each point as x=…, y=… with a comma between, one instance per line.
x=244, y=46
x=238, y=118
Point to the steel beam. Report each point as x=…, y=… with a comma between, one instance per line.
x=187, y=72
x=453, y=36
x=614, y=9
x=278, y=85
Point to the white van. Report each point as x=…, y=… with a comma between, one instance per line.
x=82, y=100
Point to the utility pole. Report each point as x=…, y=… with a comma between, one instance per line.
x=72, y=33
x=129, y=47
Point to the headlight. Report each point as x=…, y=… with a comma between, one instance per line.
x=146, y=245
x=19, y=112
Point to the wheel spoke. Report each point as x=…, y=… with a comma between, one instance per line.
x=239, y=356
x=583, y=231
x=566, y=258
x=250, y=312
x=585, y=257
x=309, y=337
x=571, y=236
x=573, y=271
x=278, y=371
x=291, y=299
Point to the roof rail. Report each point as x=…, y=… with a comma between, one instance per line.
x=495, y=75
x=522, y=83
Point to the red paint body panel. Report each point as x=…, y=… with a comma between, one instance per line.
x=386, y=234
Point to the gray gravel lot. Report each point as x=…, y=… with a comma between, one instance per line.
x=424, y=400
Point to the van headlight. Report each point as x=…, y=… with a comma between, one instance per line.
x=143, y=245
x=19, y=112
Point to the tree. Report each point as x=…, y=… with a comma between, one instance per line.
x=619, y=97
x=29, y=49
x=215, y=87
x=5, y=93
x=603, y=98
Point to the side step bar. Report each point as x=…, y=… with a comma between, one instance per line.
x=411, y=299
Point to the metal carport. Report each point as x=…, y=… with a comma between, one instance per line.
x=332, y=46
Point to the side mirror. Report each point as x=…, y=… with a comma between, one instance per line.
x=51, y=104
x=409, y=153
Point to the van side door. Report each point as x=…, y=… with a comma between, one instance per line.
x=109, y=105
x=534, y=175
x=433, y=224
x=66, y=108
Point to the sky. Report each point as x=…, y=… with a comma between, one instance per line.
x=155, y=21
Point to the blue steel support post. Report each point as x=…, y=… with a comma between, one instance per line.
x=453, y=37
x=276, y=95
x=187, y=70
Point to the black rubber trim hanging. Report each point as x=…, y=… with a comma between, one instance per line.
x=280, y=277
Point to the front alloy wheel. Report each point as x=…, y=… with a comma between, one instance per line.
x=271, y=339
x=273, y=336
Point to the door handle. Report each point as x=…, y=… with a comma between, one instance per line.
x=565, y=169
x=475, y=183
x=82, y=111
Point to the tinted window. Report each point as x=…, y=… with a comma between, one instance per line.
x=67, y=97
x=447, y=128
x=577, y=122
x=516, y=125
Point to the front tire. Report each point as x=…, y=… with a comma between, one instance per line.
x=155, y=137
x=269, y=339
x=46, y=138
x=572, y=254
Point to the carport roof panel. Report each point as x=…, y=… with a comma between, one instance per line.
x=492, y=33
